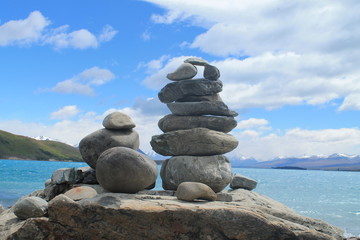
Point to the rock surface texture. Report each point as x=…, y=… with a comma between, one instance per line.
x=196, y=131
x=160, y=215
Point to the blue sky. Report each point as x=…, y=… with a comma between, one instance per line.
x=290, y=69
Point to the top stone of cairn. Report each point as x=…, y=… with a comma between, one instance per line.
x=183, y=72
x=117, y=121
x=196, y=61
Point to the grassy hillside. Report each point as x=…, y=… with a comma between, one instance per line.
x=15, y=146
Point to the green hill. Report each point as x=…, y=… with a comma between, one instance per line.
x=20, y=147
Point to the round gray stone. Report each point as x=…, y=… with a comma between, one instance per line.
x=97, y=142
x=118, y=120
x=193, y=142
x=211, y=72
x=196, y=61
x=30, y=207
x=216, y=108
x=214, y=171
x=195, y=87
x=125, y=170
x=189, y=191
x=184, y=71
x=174, y=122
x=240, y=181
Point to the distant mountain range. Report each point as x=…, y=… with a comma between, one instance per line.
x=332, y=162
x=20, y=147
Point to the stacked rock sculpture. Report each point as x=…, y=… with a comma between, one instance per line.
x=195, y=134
x=112, y=152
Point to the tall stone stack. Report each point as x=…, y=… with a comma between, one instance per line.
x=195, y=134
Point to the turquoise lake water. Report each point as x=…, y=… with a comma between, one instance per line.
x=328, y=195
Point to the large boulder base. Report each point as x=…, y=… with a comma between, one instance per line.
x=216, y=108
x=121, y=169
x=250, y=216
x=197, y=87
x=214, y=171
x=173, y=122
x=97, y=142
x=193, y=142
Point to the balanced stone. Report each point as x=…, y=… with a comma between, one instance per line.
x=118, y=120
x=97, y=142
x=122, y=169
x=63, y=175
x=201, y=108
x=30, y=207
x=214, y=171
x=185, y=71
x=189, y=191
x=195, y=87
x=211, y=72
x=196, y=61
x=174, y=122
x=194, y=142
x=240, y=181
x=208, y=98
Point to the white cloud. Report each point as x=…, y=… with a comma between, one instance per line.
x=65, y=112
x=296, y=142
x=298, y=52
x=24, y=31
x=61, y=38
x=72, y=131
x=252, y=123
x=351, y=102
x=35, y=29
x=107, y=34
x=275, y=80
x=83, y=82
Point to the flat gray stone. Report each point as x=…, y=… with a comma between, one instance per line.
x=184, y=71
x=174, y=122
x=201, y=108
x=196, y=61
x=125, y=170
x=214, y=171
x=189, y=191
x=240, y=181
x=211, y=72
x=63, y=175
x=195, y=87
x=30, y=207
x=208, y=98
x=193, y=142
x=118, y=120
x=97, y=142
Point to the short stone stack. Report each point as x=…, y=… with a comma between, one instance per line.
x=195, y=134
x=112, y=152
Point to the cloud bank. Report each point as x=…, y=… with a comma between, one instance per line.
x=35, y=30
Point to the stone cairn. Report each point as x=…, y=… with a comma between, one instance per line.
x=195, y=134
x=112, y=152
